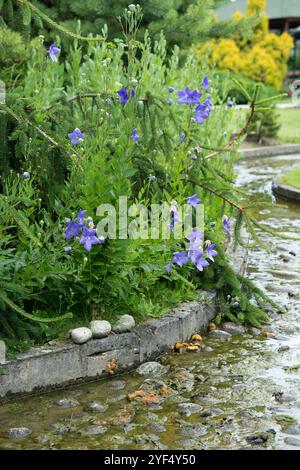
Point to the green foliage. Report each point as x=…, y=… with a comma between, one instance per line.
x=265, y=124
x=39, y=282
x=184, y=22
x=12, y=48
x=234, y=92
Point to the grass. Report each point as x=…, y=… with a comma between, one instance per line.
x=292, y=178
x=289, y=119
x=290, y=125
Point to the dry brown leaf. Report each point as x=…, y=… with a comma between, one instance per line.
x=267, y=334
x=150, y=398
x=193, y=347
x=165, y=390
x=179, y=345
x=111, y=366
x=136, y=394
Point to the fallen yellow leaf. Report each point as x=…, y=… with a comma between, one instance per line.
x=196, y=337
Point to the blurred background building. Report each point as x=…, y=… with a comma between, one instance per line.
x=284, y=15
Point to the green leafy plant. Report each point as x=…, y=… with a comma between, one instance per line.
x=107, y=123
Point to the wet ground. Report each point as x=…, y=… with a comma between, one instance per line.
x=241, y=391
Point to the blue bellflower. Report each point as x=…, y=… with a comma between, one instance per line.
x=76, y=136
x=88, y=238
x=135, y=136
x=182, y=137
x=180, y=258
x=53, y=51
x=189, y=97
x=72, y=230
x=205, y=84
x=193, y=201
x=226, y=224
x=201, y=263
x=203, y=110
x=211, y=252
x=195, y=235
x=123, y=95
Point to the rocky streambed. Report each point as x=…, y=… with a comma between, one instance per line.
x=240, y=390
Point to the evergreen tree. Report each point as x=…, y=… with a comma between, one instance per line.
x=184, y=22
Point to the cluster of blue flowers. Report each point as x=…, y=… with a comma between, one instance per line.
x=192, y=97
x=88, y=232
x=194, y=252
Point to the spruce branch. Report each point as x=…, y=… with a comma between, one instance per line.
x=53, y=24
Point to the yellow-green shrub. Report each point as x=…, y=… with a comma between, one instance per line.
x=263, y=58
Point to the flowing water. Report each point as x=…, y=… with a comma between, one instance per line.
x=236, y=394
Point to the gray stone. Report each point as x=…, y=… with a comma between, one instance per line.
x=292, y=441
x=193, y=430
x=294, y=430
x=43, y=439
x=93, y=430
x=81, y=335
x=124, y=324
x=283, y=348
x=211, y=412
x=100, y=328
x=187, y=409
x=219, y=334
x=233, y=328
x=151, y=369
x=97, y=407
x=67, y=403
x=19, y=433
x=183, y=380
x=62, y=429
x=254, y=331
x=117, y=384
x=2, y=352
x=157, y=427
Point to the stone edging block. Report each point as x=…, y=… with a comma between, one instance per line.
x=47, y=368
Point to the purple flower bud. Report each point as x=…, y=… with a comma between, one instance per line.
x=135, y=136
x=53, y=52
x=68, y=250
x=212, y=224
x=226, y=224
x=194, y=157
x=169, y=268
x=170, y=102
x=26, y=175
x=230, y=103
x=171, y=89
x=182, y=137
x=153, y=178
x=205, y=83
